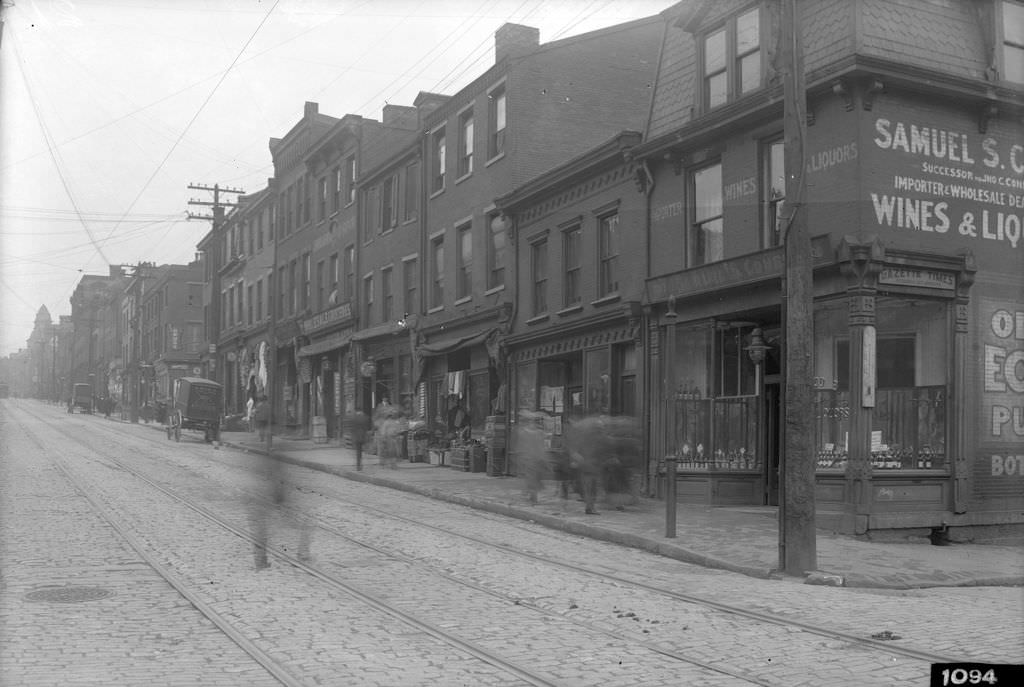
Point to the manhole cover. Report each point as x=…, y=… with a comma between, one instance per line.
x=68, y=594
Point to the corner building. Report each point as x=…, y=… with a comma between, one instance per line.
x=914, y=196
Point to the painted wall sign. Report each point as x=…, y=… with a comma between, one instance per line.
x=335, y=315
x=832, y=157
x=952, y=183
x=1003, y=375
x=912, y=277
x=744, y=269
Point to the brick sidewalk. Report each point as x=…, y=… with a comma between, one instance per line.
x=741, y=539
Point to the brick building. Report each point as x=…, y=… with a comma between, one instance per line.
x=914, y=186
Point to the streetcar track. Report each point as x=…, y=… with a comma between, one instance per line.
x=366, y=598
x=580, y=569
x=247, y=646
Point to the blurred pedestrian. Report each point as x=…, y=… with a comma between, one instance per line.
x=261, y=416
x=359, y=429
x=269, y=511
x=250, y=408
x=531, y=452
x=388, y=425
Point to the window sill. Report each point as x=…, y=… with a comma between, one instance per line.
x=538, y=319
x=571, y=310
x=436, y=308
x=435, y=194
x=464, y=299
x=605, y=300
x=465, y=176
x=494, y=289
x=494, y=159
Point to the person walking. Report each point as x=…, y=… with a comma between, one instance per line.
x=261, y=416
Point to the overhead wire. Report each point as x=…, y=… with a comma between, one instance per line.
x=196, y=115
x=47, y=137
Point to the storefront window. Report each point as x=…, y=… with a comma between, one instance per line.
x=908, y=419
x=689, y=397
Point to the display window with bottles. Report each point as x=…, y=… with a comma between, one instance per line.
x=910, y=358
x=712, y=390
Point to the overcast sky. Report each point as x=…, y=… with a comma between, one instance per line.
x=110, y=108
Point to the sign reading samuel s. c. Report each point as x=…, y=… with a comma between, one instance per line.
x=959, y=183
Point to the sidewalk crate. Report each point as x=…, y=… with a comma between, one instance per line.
x=458, y=458
x=477, y=459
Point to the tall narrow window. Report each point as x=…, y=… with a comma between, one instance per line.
x=1013, y=41
x=707, y=241
x=250, y=239
x=282, y=292
x=389, y=203
x=306, y=286
x=349, y=268
x=437, y=272
x=350, y=179
x=412, y=191
x=716, y=78
x=320, y=285
x=387, y=295
x=322, y=199
x=259, y=229
x=571, y=264
x=438, y=150
x=334, y=296
x=748, y=51
x=259, y=300
x=248, y=304
x=293, y=287
x=539, y=275
x=306, y=189
x=410, y=282
x=336, y=182
x=372, y=213
x=773, y=192
x=608, y=254
x=495, y=251
x=496, y=122
x=465, y=143
x=464, y=261
x=368, y=300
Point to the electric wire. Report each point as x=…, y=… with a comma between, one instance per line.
x=209, y=97
x=48, y=138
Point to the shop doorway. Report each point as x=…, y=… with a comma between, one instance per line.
x=771, y=421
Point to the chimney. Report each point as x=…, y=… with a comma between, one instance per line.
x=427, y=102
x=399, y=116
x=310, y=109
x=115, y=270
x=515, y=40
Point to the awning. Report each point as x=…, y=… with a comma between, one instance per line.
x=454, y=344
x=324, y=345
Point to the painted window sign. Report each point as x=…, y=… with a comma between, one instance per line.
x=1003, y=390
x=958, y=183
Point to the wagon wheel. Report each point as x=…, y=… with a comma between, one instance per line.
x=177, y=426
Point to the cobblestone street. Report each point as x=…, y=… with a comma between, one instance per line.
x=145, y=556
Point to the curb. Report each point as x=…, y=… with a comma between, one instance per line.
x=667, y=549
x=662, y=548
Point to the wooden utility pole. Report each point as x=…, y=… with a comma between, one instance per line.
x=797, y=536
x=218, y=205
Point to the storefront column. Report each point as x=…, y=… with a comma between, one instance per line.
x=961, y=415
x=861, y=264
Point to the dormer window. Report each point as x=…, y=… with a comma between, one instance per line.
x=731, y=59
